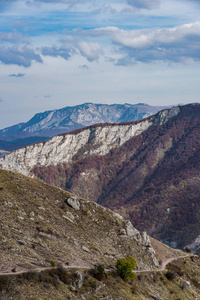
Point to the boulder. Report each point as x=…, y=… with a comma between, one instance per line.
x=74, y=203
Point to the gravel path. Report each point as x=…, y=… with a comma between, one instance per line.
x=163, y=266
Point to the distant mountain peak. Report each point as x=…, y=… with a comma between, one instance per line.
x=52, y=122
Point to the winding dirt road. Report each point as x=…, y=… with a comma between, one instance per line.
x=42, y=269
x=163, y=267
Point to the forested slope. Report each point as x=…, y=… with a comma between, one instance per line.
x=152, y=178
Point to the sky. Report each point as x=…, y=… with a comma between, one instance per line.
x=58, y=53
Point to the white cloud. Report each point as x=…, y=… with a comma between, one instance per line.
x=21, y=56
x=177, y=44
x=91, y=51
x=61, y=1
x=146, y=4
x=55, y=51
x=17, y=75
x=13, y=37
x=84, y=67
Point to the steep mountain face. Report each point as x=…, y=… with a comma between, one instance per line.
x=43, y=226
x=99, y=139
x=45, y=125
x=147, y=170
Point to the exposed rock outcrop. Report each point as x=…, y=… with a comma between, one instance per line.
x=195, y=246
x=97, y=140
x=74, y=203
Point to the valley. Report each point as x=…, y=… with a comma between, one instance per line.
x=99, y=150
x=146, y=170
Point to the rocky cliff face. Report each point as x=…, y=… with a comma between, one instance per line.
x=153, y=178
x=79, y=116
x=98, y=140
x=50, y=123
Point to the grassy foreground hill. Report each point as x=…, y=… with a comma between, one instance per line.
x=43, y=226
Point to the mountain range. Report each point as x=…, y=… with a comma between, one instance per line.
x=53, y=242
x=49, y=123
x=146, y=170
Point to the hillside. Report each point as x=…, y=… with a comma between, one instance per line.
x=147, y=171
x=43, y=225
x=38, y=220
x=153, y=179
x=49, y=123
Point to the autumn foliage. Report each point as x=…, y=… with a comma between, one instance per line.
x=154, y=178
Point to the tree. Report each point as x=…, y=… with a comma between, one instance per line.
x=125, y=267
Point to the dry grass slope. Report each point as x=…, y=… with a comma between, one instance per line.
x=41, y=224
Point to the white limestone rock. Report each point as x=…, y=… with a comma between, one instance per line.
x=118, y=216
x=145, y=239
x=62, y=149
x=195, y=245
x=166, y=114
x=85, y=249
x=132, y=231
x=153, y=257
x=74, y=203
x=79, y=280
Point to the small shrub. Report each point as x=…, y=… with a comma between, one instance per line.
x=44, y=276
x=61, y=269
x=56, y=281
x=30, y=275
x=125, y=267
x=187, y=249
x=99, y=272
x=192, y=258
x=139, y=277
x=92, y=283
x=177, y=270
x=169, y=275
x=52, y=263
x=63, y=275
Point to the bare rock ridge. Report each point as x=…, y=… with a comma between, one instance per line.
x=73, y=117
x=45, y=125
x=98, y=139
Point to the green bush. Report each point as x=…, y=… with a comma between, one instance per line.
x=99, y=272
x=125, y=267
x=170, y=275
x=52, y=263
